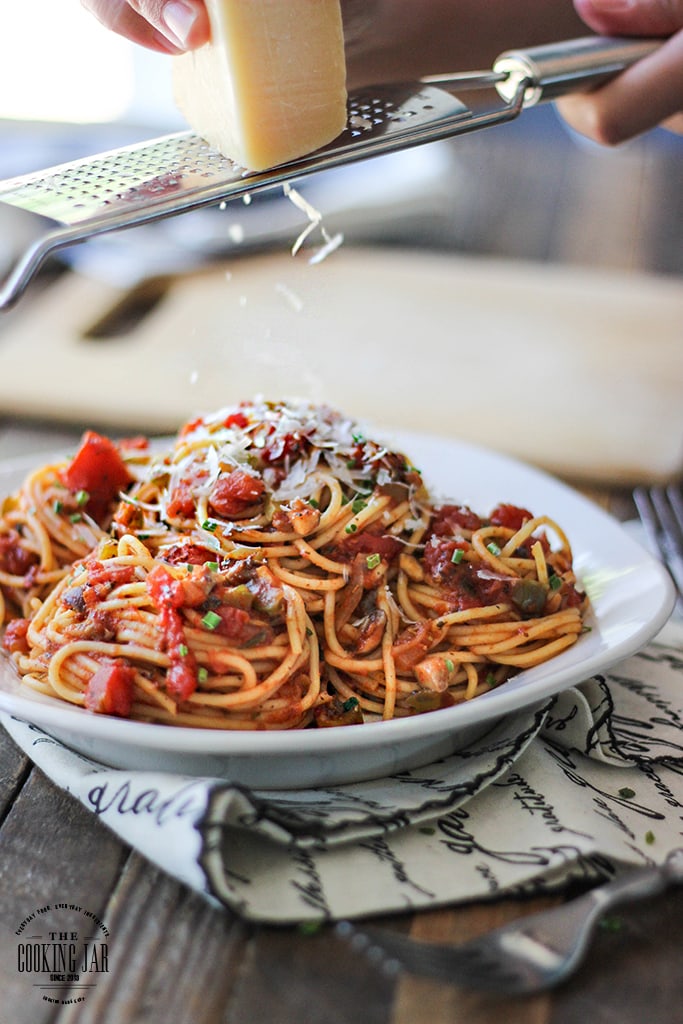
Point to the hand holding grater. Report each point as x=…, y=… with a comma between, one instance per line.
x=141, y=183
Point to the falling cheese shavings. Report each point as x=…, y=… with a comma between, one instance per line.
x=330, y=242
x=292, y=298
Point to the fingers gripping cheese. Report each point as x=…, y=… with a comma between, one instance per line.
x=270, y=86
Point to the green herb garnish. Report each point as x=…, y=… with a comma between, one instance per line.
x=211, y=620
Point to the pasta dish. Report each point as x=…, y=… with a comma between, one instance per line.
x=271, y=567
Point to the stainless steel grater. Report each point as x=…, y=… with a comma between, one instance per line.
x=144, y=182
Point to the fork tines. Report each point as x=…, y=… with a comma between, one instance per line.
x=661, y=513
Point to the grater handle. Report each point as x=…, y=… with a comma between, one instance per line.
x=575, y=65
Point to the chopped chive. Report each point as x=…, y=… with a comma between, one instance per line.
x=75, y=517
x=490, y=679
x=554, y=582
x=211, y=620
x=351, y=528
x=372, y=561
x=213, y=566
x=449, y=665
x=493, y=548
x=183, y=650
x=57, y=506
x=313, y=503
x=457, y=556
x=309, y=927
x=202, y=675
x=208, y=525
x=358, y=505
x=350, y=704
x=611, y=924
x=82, y=497
x=358, y=438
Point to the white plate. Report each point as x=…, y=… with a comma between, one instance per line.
x=630, y=592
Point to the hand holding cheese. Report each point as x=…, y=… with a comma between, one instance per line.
x=295, y=78
x=168, y=26
x=270, y=86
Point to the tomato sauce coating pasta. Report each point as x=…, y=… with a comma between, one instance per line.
x=271, y=568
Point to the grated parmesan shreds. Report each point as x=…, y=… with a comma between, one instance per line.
x=330, y=242
x=292, y=298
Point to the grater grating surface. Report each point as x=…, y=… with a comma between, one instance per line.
x=182, y=170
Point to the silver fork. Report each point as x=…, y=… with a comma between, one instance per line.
x=661, y=512
x=529, y=955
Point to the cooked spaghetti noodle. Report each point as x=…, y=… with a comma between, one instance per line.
x=273, y=568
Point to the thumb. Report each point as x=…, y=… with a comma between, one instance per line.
x=632, y=17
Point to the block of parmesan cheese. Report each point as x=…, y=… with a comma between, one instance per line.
x=270, y=86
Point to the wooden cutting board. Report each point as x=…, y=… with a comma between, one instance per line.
x=577, y=370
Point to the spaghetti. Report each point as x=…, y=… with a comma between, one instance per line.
x=272, y=568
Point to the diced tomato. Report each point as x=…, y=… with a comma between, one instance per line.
x=188, y=554
x=168, y=592
x=15, y=559
x=235, y=492
x=510, y=516
x=282, y=446
x=14, y=639
x=182, y=502
x=451, y=519
x=190, y=426
x=98, y=469
x=234, y=623
x=367, y=543
x=106, y=572
x=236, y=419
x=439, y=556
x=111, y=690
x=181, y=677
x=242, y=628
x=165, y=590
x=137, y=443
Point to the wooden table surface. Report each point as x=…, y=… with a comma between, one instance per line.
x=173, y=958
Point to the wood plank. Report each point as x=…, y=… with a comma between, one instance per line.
x=632, y=973
x=443, y=1003
x=14, y=770
x=173, y=957
x=53, y=851
x=317, y=979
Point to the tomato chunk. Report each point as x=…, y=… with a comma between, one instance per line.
x=510, y=516
x=235, y=492
x=97, y=469
x=14, y=558
x=110, y=690
x=14, y=639
x=449, y=520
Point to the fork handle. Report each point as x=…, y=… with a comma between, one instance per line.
x=575, y=65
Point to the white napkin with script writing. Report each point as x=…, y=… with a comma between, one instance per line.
x=569, y=790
